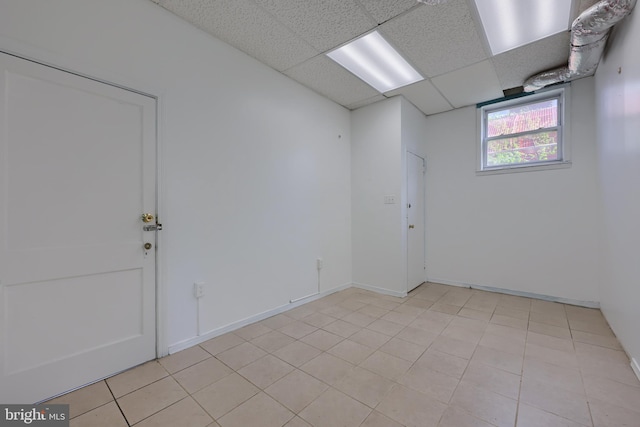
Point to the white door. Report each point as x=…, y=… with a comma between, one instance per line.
x=416, y=273
x=77, y=288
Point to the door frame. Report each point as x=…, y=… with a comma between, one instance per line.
x=424, y=216
x=161, y=303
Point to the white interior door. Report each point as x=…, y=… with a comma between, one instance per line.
x=416, y=272
x=77, y=288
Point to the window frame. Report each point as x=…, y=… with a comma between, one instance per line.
x=562, y=95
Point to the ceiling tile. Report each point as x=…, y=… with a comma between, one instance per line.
x=331, y=80
x=383, y=10
x=517, y=65
x=244, y=25
x=424, y=96
x=470, y=85
x=323, y=24
x=365, y=102
x=437, y=39
x=440, y=41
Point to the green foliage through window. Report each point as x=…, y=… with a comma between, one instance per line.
x=523, y=133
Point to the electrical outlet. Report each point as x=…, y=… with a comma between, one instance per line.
x=198, y=289
x=319, y=263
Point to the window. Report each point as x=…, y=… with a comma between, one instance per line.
x=523, y=132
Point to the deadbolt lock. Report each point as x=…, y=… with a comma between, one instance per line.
x=147, y=217
x=147, y=246
x=412, y=226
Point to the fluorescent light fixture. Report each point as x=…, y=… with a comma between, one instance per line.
x=512, y=23
x=373, y=59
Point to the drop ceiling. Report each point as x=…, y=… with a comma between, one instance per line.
x=445, y=43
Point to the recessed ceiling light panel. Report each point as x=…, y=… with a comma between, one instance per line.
x=512, y=23
x=372, y=59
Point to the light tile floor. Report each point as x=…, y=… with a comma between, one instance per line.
x=443, y=356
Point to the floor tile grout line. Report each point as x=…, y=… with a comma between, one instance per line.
x=524, y=355
x=166, y=407
x=586, y=397
x=126, y=420
x=198, y=403
x=154, y=382
x=390, y=308
x=584, y=386
x=97, y=407
x=460, y=380
x=139, y=388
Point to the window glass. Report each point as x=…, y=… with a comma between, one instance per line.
x=523, y=118
x=522, y=133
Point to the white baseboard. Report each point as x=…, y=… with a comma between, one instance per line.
x=448, y=282
x=635, y=367
x=378, y=290
x=589, y=304
x=300, y=301
x=252, y=319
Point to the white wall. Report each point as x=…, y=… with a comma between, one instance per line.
x=261, y=176
x=414, y=129
x=381, y=135
x=376, y=171
x=618, y=118
x=532, y=232
x=413, y=139
x=255, y=168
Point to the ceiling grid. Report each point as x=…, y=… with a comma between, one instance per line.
x=445, y=43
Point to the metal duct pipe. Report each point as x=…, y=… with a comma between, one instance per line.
x=589, y=34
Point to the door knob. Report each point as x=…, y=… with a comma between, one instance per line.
x=147, y=246
x=147, y=217
x=412, y=226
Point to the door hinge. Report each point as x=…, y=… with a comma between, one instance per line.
x=152, y=227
